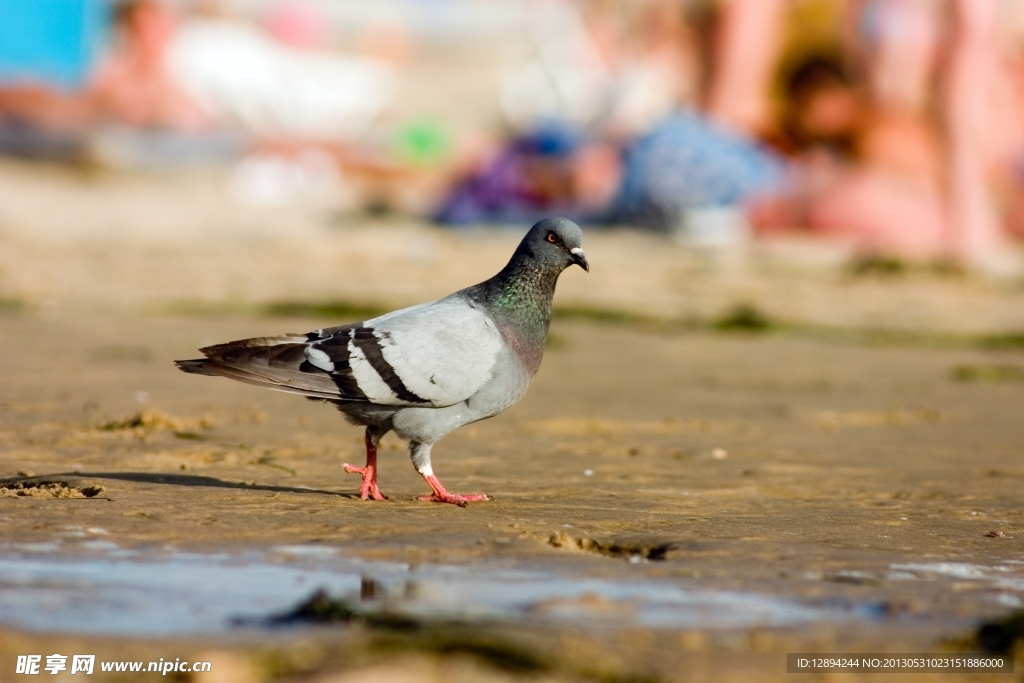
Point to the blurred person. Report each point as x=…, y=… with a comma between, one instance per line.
x=128, y=85
x=893, y=199
x=553, y=159
x=686, y=172
x=823, y=109
x=637, y=64
x=689, y=164
x=527, y=178
x=747, y=45
x=909, y=164
x=133, y=85
x=976, y=234
x=47, y=54
x=1005, y=135
x=881, y=185
x=241, y=76
x=869, y=157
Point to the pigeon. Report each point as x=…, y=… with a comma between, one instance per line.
x=425, y=370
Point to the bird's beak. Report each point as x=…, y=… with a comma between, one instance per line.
x=579, y=258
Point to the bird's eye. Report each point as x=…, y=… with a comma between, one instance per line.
x=551, y=237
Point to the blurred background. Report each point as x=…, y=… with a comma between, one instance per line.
x=887, y=134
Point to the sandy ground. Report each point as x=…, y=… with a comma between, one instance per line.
x=867, y=450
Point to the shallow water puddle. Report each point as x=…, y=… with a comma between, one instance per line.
x=1002, y=577
x=121, y=592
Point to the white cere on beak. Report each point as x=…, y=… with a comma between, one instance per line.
x=580, y=258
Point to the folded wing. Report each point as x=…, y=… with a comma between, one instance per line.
x=432, y=355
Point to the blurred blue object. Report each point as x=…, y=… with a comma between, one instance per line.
x=503, y=192
x=50, y=42
x=687, y=162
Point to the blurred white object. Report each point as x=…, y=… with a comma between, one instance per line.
x=713, y=227
x=239, y=75
x=645, y=94
x=566, y=78
x=268, y=180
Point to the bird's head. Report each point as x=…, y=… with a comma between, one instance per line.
x=557, y=241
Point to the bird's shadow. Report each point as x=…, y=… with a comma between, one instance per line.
x=173, y=480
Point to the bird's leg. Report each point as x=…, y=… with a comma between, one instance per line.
x=420, y=453
x=369, y=489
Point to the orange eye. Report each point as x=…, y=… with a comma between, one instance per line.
x=551, y=237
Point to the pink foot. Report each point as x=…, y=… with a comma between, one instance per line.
x=368, y=489
x=441, y=494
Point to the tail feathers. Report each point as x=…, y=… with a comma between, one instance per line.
x=277, y=363
x=256, y=345
x=196, y=366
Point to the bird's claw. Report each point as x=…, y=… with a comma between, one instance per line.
x=368, y=489
x=455, y=498
x=440, y=494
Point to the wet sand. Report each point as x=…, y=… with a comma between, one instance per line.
x=878, y=476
